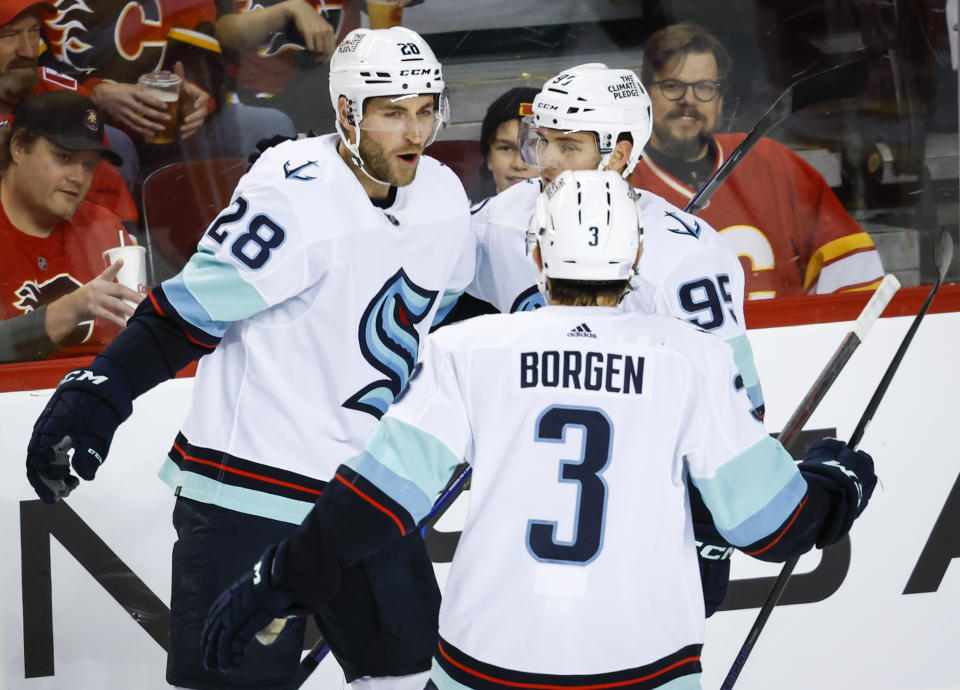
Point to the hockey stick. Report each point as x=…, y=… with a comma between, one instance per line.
x=841, y=81
x=945, y=252
x=454, y=488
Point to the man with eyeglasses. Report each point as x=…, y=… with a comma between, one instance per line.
x=775, y=211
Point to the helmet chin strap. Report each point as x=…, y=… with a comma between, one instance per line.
x=354, y=150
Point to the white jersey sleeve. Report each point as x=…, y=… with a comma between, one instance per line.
x=506, y=276
x=688, y=271
x=748, y=480
x=260, y=250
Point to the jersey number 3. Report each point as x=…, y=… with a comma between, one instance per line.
x=590, y=510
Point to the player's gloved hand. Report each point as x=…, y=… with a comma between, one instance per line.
x=849, y=478
x=82, y=416
x=245, y=608
x=713, y=557
x=270, y=142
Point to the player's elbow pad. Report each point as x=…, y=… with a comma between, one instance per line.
x=352, y=519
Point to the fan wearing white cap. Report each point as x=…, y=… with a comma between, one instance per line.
x=309, y=299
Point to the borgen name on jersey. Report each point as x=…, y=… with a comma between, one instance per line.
x=275, y=276
x=580, y=448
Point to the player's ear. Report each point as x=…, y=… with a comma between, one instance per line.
x=537, y=259
x=344, y=115
x=620, y=156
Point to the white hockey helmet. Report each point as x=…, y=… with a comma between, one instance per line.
x=594, y=98
x=588, y=228
x=384, y=62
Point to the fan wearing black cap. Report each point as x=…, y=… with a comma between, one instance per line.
x=54, y=294
x=21, y=76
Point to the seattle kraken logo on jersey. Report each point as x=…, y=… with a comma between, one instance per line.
x=692, y=230
x=528, y=300
x=389, y=340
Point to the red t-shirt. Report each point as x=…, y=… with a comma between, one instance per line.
x=36, y=271
x=108, y=189
x=791, y=232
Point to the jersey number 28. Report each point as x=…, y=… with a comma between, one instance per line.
x=590, y=510
x=251, y=248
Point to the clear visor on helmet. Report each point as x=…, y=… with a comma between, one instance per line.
x=553, y=151
x=418, y=116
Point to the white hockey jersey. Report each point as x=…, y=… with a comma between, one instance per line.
x=322, y=300
x=686, y=269
x=577, y=556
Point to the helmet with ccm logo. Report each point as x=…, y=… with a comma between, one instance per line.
x=587, y=227
x=383, y=62
x=596, y=98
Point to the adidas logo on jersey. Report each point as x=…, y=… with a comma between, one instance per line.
x=581, y=331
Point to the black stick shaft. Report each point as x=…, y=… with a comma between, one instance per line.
x=871, y=312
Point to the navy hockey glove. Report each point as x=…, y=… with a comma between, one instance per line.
x=847, y=475
x=713, y=557
x=82, y=416
x=246, y=607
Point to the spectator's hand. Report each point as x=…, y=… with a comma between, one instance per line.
x=131, y=107
x=318, y=35
x=100, y=298
x=194, y=103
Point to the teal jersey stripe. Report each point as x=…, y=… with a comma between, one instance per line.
x=445, y=682
x=743, y=356
x=401, y=490
x=447, y=302
x=412, y=454
x=206, y=490
x=442, y=680
x=211, y=294
x=752, y=494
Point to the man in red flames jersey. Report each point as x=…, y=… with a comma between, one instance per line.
x=790, y=231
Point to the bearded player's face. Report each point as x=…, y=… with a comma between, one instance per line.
x=393, y=134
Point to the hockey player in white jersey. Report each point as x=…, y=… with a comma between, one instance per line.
x=577, y=566
x=593, y=117
x=310, y=295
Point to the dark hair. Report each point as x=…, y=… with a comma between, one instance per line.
x=678, y=40
x=506, y=107
x=580, y=293
x=26, y=136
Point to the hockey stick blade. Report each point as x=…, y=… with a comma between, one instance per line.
x=871, y=312
x=455, y=487
x=840, y=81
x=944, y=257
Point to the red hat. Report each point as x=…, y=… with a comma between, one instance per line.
x=10, y=9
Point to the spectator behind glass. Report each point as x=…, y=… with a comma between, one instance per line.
x=54, y=294
x=20, y=76
x=107, y=48
x=790, y=231
x=502, y=165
